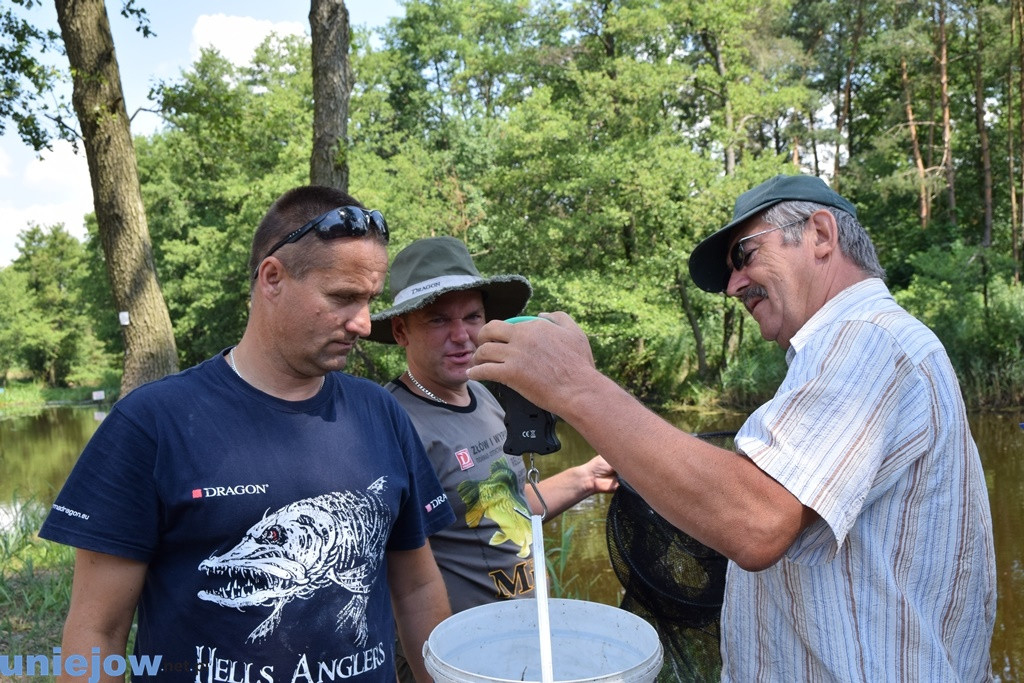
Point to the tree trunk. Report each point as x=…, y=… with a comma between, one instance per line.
x=730, y=146
x=728, y=327
x=1010, y=151
x=1018, y=221
x=922, y=180
x=691, y=316
x=983, y=142
x=947, y=126
x=332, y=85
x=814, y=142
x=794, y=152
x=149, y=350
x=843, y=111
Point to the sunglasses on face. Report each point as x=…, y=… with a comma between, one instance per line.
x=740, y=255
x=345, y=221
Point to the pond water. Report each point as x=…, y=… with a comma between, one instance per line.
x=37, y=452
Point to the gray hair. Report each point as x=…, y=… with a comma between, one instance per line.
x=854, y=241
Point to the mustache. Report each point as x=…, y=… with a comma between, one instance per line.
x=753, y=292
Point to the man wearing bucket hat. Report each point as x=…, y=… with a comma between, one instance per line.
x=854, y=511
x=440, y=303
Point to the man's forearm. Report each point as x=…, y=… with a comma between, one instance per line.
x=419, y=600
x=83, y=654
x=104, y=594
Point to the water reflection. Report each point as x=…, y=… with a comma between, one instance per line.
x=1001, y=444
x=37, y=452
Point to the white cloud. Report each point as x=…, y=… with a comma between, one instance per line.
x=53, y=189
x=236, y=38
x=55, y=168
x=56, y=188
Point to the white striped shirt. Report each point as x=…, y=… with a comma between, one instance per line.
x=896, y=582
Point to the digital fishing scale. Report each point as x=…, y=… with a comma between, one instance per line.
x=530, y=430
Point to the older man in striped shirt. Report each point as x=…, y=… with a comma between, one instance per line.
x=855, y=511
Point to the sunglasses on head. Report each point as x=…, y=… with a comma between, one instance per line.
x=739, y=255
x=345, y=221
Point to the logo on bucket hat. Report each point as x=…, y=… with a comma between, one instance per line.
x=433, y=266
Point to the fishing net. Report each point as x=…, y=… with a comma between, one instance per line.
x=671, y=580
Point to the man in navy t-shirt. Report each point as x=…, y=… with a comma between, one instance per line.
x=263, y=512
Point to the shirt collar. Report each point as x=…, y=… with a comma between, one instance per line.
x=837, y=308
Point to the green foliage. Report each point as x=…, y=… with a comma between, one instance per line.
x=237, y=138
x=23, y=397
x=27, y=81
x=22, y=318
x=630, y=326
x=978, y=316
x=752, y=378
x=590, y=146
x=96, y=297
x=94, y=366
x=50, y=334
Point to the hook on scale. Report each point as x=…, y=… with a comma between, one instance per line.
x=530, y=431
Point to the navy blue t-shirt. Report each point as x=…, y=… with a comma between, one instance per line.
x=264, y=522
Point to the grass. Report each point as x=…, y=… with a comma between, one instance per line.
x=35, y=583
x=25, y=397
x=35, y=586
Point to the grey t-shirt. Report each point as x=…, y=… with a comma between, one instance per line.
x=486, y=555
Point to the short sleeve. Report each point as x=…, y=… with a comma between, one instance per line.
x=850, y=403
x=426, y=510
x=109, y=503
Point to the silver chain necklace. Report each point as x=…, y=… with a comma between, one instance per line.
x=231, y=362
x=422, y=388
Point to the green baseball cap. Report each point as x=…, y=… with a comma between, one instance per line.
x=708, y=267
x=433, y=266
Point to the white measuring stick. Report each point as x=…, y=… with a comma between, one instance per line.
x=540, y=580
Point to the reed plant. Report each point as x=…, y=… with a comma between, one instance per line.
x=564, y=581
x=35, y=582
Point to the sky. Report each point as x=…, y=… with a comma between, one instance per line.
x=53, y=186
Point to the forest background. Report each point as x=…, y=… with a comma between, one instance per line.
x=588, y=145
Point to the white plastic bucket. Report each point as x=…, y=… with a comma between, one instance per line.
x=500, y=642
